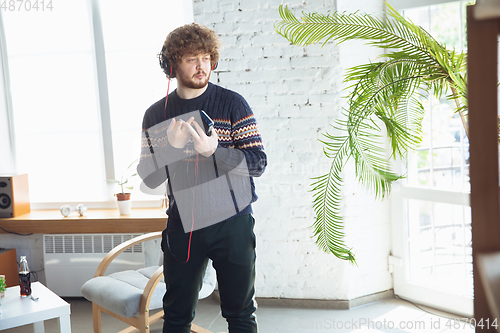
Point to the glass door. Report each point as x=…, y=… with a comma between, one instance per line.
x=432, y=254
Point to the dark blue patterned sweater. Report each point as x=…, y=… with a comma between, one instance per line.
x=239, y=156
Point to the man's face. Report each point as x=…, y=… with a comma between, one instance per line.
x=193, y=71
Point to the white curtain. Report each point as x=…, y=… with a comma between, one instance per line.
x=7, y=159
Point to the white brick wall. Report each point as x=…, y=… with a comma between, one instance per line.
x=295, y=93
x=29, y=246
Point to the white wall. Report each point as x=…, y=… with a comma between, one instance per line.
x=368, y=225
x=29, y=246
x=295, y=94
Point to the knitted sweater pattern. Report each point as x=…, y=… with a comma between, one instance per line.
x=239, y=139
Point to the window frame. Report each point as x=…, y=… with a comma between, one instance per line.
x=8, y=140
x=8, y=149
x=403, y=4
x=102, y=88
x=403, y=193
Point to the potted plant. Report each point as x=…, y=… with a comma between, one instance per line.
x=384, y=95
x=3, y=286
x=123, y=198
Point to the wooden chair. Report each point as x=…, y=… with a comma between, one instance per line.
x=99, y=291
x=489, y=272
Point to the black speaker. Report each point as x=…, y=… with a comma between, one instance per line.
x=14, y=195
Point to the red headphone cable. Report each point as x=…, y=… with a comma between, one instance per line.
x=166, y=98
x=192, y=216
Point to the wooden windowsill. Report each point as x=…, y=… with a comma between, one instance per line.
x=94, y=221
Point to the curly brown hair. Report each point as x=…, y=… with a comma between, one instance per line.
x=189, y=39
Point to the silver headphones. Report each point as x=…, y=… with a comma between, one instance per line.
x=67, y=209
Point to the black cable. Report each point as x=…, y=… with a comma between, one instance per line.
x=15, y=233
x=34, y=275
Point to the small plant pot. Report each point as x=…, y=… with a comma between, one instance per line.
x=3, y=285
x=124, y=203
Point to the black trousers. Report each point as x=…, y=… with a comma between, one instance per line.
x=231, y=246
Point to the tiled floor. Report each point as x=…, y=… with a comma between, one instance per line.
x=393, y=315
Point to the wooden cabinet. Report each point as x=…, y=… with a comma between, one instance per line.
x=483, y=136
x=8, y=267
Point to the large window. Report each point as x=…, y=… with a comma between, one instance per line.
x=81, y=76
x=439, y=233
x=442, y=160
x=435, y=234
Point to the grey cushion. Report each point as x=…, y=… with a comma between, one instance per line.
x=149, y=271
x=121, y=292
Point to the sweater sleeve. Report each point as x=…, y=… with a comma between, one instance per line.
x=156, y=153
x=247, y=143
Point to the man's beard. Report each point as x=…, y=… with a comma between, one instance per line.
x=191, y=82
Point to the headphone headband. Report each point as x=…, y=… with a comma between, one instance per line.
x=167, y=69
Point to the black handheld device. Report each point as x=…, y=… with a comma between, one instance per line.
x=208, y=123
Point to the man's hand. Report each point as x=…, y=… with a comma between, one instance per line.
x=178, y=132
x=205, y=145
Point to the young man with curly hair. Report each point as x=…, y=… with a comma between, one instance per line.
x=210, y=182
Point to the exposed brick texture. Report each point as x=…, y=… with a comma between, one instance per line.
x=295, y=93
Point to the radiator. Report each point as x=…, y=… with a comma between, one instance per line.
x=71, y=260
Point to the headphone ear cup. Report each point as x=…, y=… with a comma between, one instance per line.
x=164, y=64
x=66, y=210
x=161, y=62
x=168, y=69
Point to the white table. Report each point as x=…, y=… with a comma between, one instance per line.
x=18, y=311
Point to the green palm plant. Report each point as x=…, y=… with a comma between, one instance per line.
x=383, y=94
x=125, y=178
x=3, y=285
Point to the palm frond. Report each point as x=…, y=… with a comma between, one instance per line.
x=327, y=193
x=380, y=32
x=404, y=128
x=371, y=165
x=384, y=93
